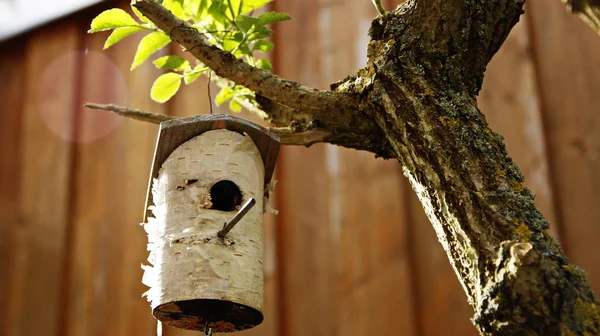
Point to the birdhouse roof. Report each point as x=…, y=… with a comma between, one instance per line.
x=175, y=132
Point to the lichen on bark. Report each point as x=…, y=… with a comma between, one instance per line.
x=424, y=86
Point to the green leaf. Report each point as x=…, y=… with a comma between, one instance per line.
x=235, y=106
x=165, y=86
x=272, y=17
x=191, y=77
x=264, y=64
x=264, y=33
x=224, y=95
x=172, y=62
x=229, y=45
x=111, y=19
x=175, y=6
x=118, y=34
x=263, y=45
x=195, y=8
x=246, y=22
x=233, y=9
x=140, y=15
x=148, y=45
x=249, y=5
x=217, y=12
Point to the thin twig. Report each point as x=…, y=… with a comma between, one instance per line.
x=209, y=95
x=287, y=135
x=379, y=7
x=154, y=118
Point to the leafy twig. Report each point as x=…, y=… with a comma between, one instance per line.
x=226, y=65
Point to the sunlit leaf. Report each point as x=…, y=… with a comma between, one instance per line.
x=172, y=62
x=195, y=8
x=165, y=86
x=235, y=106
x=263, y=45
x=272, y=17
x=246, y=22
x=111, y=19
x=224, y=95
x=120, y=33
x=148, y=45
x=216, y=12
x=249, y=5
x=264, y=33
x=140, y=15
x=229, y=45
x=189, y=78
x=175, y=7
x=264, y=64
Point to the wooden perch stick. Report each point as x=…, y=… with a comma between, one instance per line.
x=228, y=226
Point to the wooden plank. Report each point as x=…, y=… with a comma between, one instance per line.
x=374, y=274
x=567, y=53
x=309, y=244
x=42, y=200
x=12, y=88
x=112, y=159
x=367, y=203
x=309, y=305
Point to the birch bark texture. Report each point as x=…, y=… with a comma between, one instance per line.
x=197, y=279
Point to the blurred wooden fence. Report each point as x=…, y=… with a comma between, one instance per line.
x=350, y=253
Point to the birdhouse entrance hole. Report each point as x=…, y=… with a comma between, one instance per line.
x=225, y=196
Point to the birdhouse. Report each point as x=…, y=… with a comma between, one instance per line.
x=208, y=190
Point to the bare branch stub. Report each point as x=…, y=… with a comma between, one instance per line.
x=130, y=113
x=287, y=135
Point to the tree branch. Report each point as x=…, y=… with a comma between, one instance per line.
x=262, y=82
x=463, y=41
x=287, y=135
x=154, y=118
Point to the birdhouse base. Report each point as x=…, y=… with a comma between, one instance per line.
x=221, y=316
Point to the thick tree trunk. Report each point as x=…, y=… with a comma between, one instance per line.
x=514, y=273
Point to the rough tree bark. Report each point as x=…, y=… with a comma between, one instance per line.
x=415, y=101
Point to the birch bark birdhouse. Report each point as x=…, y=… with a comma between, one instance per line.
x=209, y=174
